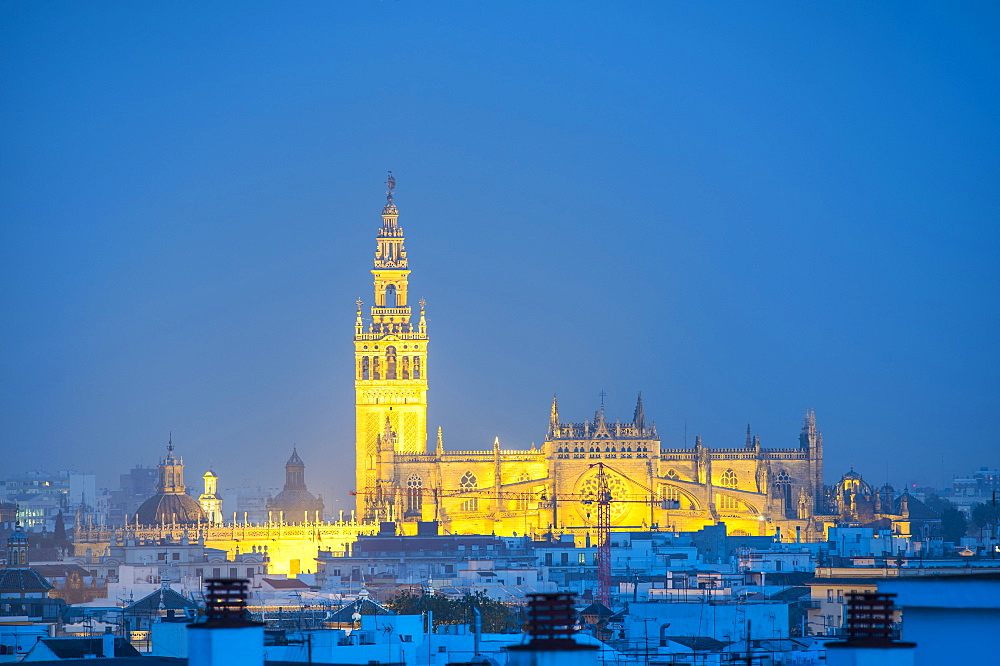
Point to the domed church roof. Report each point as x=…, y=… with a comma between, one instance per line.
x=295, y=500
x=164, y=508
x=170, y=504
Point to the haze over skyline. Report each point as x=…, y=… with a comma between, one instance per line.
x=742, y=212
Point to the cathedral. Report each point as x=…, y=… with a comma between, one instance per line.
x=549, y=490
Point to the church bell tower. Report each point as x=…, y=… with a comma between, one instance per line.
x=390, y=382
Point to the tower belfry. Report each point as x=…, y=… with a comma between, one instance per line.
x=390, y=370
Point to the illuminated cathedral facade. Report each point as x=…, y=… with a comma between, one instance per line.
x=551, y=489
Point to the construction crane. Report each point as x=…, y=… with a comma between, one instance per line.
x=603, y=501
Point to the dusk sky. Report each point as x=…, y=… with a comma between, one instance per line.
x=743, y=210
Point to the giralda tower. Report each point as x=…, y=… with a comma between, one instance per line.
x=390, y=382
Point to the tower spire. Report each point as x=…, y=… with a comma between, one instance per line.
x=554, y=418
x=639, y=418
x=749, y=437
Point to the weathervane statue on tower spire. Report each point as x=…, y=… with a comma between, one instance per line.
x=390, y=185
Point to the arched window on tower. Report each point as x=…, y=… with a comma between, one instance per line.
x=416, y=367
x=376, y=371
x=469, y=482
x=390, y=362
x=406, y=367
x=390, y=296
x=365, y=373
x=414, y=495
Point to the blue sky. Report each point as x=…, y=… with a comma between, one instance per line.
x=741, y=210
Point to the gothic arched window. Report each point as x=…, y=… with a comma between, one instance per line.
x=390, y=296
x=670, y=496
x=783, y=488
x=521, y=504
x=376, y=371
x=728, y=480
x=406, y=367
x=365, y=373
x=469, y=482
x=414, y=494
x=416, y=367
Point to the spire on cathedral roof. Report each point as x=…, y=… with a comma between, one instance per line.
x=749, y=437
x=440, y=442
x=809, y=421
x=554, y=416
x=294, y=459
x=639, y=417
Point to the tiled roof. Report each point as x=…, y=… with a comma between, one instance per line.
x=77, y=648
x=60, y=570
x=286, y=583
x=169, y=599
x=598, y=609
x=362, y=606
x=791, y=593
x=23, y=580
x=702, y=643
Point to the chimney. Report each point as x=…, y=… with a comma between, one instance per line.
x=870, y=619
x=226, y=636
x=551, y=625
x=108, y=644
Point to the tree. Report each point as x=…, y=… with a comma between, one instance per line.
x=59, y=534
x=985, y=516
x=497, y=617
x=953, y=524
x=937, y=504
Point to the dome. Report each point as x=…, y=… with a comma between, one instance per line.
x=23, y=580
x=163, y=508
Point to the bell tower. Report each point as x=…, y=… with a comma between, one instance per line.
x=390, y=381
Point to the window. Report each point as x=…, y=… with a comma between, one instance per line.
x=469, y=482
x=376, y=371
x=521, y=503
x=581, y=558
x=416, y=367
x=414, y=494
x=233, y=572
x=670, y=497
x=829, y=595
x=728, y=480
x=364, y=368
x=390, y=362
x=672, y=474
x=216, y=573
x=564, y=559
x=200, y=573
x=176, y=556
x=406, y=367
x=390, y=296
x=249, y=572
